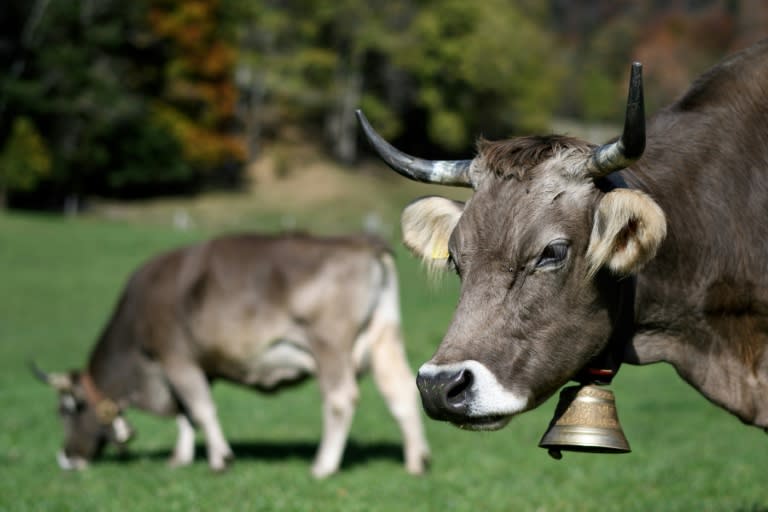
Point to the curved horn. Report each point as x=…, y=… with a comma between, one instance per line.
x=625, y=151
x=444, y=172
x=58, y=381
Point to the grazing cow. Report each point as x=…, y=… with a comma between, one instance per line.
x=574, y=258
x=262, y=311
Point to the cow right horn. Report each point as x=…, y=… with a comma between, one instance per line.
x=629, y=148
x=58, y=381
x=443, y=172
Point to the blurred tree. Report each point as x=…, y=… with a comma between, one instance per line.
x=600, y=79
x=304, y=62
x=84, y=76
x=678, y=45
x=130, y=98
x=199, y=95
x=481, y=68
x=315, y=61
x=24, y=160
x=135, y=98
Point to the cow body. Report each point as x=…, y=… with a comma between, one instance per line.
x=702, y=303
x=259, y=311
x=546, y=244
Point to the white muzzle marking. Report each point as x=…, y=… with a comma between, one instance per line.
x=489, y=397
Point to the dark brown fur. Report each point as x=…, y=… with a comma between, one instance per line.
x=702, y=303
x=706, y=164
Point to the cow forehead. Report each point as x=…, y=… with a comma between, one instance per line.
x=543, y=199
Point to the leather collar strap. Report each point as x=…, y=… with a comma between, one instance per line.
x=603, y=368
x=106, y=409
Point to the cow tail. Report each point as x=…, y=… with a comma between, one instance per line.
x=384, y=312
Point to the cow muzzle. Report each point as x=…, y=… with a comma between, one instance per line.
x=468, y=395
x=70, y=463
x=445, y=395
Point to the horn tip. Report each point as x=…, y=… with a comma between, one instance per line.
x=37, y=371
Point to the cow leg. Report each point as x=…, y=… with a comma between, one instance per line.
x=397, y=385
x=184, y=451
x=191, y=387
x=339, y=390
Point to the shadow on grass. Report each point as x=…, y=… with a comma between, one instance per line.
x=355, y=454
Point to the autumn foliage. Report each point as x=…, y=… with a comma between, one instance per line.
x=199, y=97
x=145, y=97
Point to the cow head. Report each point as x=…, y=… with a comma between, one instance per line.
x=540, y=248
x=89, y=422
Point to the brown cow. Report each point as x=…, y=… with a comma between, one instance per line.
x=262, y=311
x=547, y=246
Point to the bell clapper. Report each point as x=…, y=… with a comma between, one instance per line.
x=555, y=453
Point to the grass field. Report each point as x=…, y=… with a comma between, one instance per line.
x=60, y=277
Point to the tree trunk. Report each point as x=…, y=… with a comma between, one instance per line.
x=72, y=205
x=342, y=126
x=257, y=92
x=261, y=42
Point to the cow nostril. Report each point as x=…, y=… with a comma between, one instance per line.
x=461, y=384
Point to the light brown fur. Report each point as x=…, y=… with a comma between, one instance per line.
x=264, y=312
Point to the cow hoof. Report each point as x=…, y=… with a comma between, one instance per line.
x=321, y=472
x=178, y=462
x=222, y=464
x=419, y=466
x=219, y=467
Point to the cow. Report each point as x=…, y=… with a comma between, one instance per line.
x=264, y=311
x=575, y=257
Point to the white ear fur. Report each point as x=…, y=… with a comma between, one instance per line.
x=628, y=228
x=427, y=224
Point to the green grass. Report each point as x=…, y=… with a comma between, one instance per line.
x=58, y=281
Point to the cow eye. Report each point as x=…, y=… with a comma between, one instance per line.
x=68, y=404
x=452, y=264
x=553, y=254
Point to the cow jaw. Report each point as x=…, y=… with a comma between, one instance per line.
x=468, y=395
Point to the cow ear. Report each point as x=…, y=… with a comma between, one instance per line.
x=628, y=229
x=427, y=225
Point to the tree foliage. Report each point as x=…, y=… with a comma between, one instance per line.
x=24, y=160
x=481, y=68
x=124, y=105
x=197, y=102
x=152, y=96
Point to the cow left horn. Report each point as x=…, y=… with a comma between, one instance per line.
x=443, y=172
x=58, y=381
x=628, y=149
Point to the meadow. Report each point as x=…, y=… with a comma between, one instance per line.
x=59, y=279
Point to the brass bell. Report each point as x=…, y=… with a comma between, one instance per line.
x=585, y=421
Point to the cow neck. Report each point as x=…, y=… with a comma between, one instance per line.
x=106, y=409
x=604, y=367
